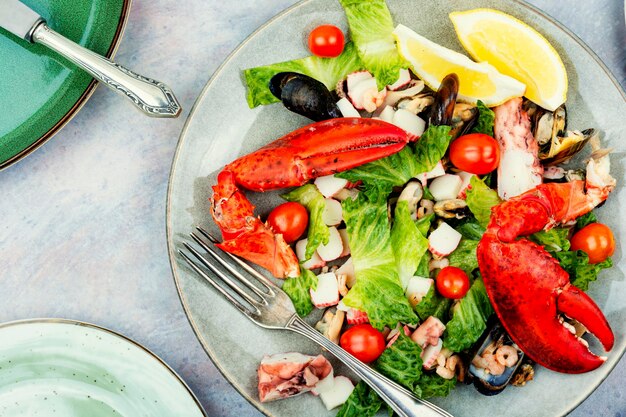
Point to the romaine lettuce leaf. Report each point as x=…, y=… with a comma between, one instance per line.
x=486, y=118
x=378, y=290
x=363, y=402
x=433, y=304
x=553, y=240
x=581, y=272
x=586, y=219
x=313, y=200
x=469, y=319
x=480, y=199
x=471, y=229
x=298, y=290
x=371, y=28
x=402, y=363
x=431, y=147
x=432, y=385
x=395, y=170
x=423, y=224
x=409, y=245
x=464, y=256
x=386, y=173
x=326, y=70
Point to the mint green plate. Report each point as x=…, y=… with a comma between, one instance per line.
x=55, y=367
x=41, y=91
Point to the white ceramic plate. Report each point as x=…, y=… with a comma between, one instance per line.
x=66, y=368
x=222, y=127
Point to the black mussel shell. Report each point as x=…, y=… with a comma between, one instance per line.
x=445, y=99
x=304, y=95
x=486, y=383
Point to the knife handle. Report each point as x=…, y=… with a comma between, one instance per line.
x=152, y=97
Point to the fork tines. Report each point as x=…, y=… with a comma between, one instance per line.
x=247, y=301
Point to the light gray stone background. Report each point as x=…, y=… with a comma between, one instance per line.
x=82, y=220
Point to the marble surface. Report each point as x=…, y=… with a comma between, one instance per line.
x=82, y=234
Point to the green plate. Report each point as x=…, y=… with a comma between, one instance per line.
x=41, y=91
x=55, y=367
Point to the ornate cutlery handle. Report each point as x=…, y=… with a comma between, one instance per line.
x=401, y=400
x=152, y=97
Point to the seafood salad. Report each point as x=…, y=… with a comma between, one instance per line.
x=438, y=209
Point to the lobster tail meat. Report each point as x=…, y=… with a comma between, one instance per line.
x=519, y=169
x=319, y=149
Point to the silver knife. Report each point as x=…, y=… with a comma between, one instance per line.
x=152, y=97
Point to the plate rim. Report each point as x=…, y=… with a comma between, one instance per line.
x=173, y=251
x=81, y=323
x=82, y=100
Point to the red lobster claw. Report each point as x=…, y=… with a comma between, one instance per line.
x=528, y=288
x=321, y=148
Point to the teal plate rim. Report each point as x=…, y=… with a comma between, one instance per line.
x=54, y=320
x=168, y=227
x=117, y=38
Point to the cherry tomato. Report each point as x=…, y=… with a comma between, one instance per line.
x=476, y=153
x=596, y=240
x=363, y=342
x=452, y=282
x=326, y=41
x=289, y=219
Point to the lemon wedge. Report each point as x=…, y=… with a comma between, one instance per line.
x=432, y=62
x=516, y=50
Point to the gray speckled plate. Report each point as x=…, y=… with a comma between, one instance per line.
x=222, y=127
x=69, y=368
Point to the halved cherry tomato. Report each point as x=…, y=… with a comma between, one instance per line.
x=596, y=240
x=476, y=153
x=452, y=282
x=363, y=342
x=290, y=219
x=326, y=41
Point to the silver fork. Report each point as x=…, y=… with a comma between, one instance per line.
x=271, y=308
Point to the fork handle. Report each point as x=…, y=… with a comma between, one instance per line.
x=401, y=400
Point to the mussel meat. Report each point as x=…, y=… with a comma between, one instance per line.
x=562, y=148
x=304, y=95
x=464, y=118
x=445, y=99
x=495, y=362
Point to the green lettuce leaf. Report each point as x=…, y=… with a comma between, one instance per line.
x=469, y=319
x=585, y=220
x=371, y=30
x=395, y=170
x=471, y=230
x=409, y=245
x=326, y=70
x=363, y=402
x=581, y=272
x=431, y=147
x=402, y=363
x=313, y=200
x=423, y=224
x=433, y=304
x=464, y=256
x=432, y=385
x=392, y=171
x=553, y=240
x=480, y=199
x=378, y=290
x=486, y=118
x=298, y=290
